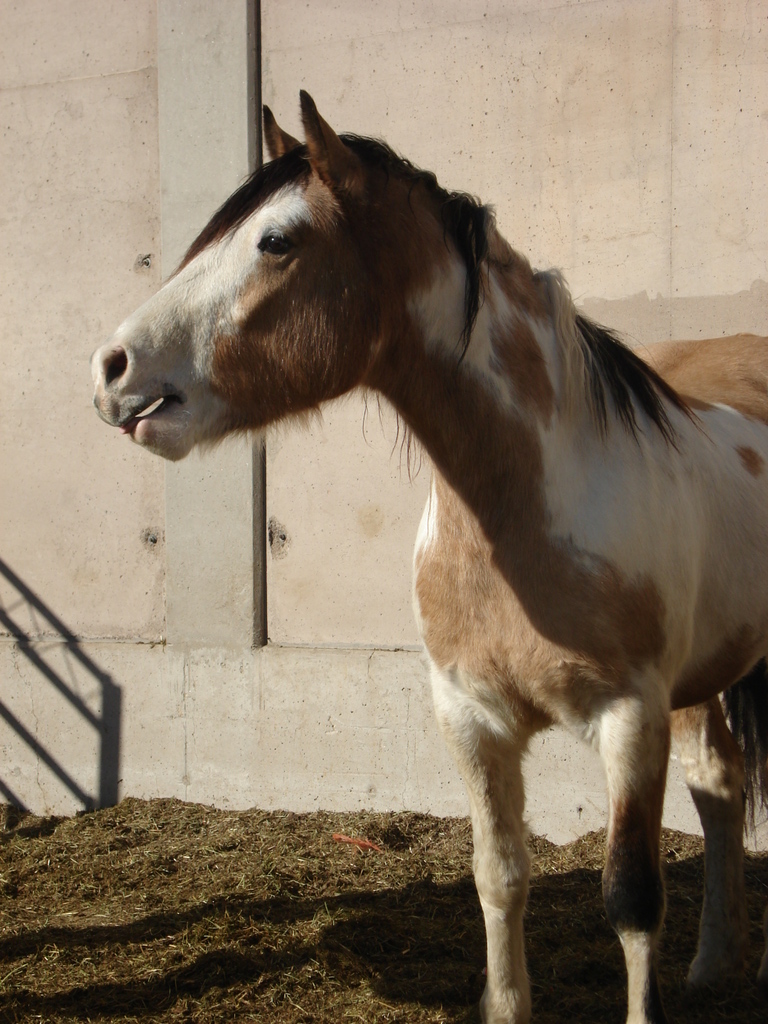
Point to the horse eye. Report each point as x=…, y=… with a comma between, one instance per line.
x=275, y=244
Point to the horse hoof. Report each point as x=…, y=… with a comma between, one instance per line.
x=510, y=1008
x=711, y=975
x=699, y=976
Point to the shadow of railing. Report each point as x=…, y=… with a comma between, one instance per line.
x=106, y=724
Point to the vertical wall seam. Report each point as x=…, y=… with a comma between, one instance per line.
x=185, y=684
x=673, y=53
x=259, y=459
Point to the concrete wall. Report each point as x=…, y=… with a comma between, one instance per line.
x=623, y=142
x=81, y=248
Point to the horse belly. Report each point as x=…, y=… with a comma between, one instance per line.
x=729, y=614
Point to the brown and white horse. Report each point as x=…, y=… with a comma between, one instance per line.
x=594, y=551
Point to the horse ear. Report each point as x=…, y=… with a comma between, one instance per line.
x=331, y=160
x=278, y=142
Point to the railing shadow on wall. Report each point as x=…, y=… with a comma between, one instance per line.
x=106, y=724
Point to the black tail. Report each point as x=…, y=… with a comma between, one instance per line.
x=746, y=708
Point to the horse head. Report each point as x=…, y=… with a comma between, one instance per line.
x=276, y=307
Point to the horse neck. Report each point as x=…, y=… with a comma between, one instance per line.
x=498, y=425
x=486, y=418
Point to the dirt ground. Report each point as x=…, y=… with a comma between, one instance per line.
x=164, y=911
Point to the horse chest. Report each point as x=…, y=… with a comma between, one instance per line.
x=468, y=615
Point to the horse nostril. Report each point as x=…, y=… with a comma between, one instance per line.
x=115, y=365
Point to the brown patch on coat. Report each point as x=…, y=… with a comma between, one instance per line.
x=752, y=462
x=516, y=277
x=696, y=404
x=298, y=340
x=498, y=596
x=735, y=656
x=518, y=357
x=732, y=371
x=517, y=354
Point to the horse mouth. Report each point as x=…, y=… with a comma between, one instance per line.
x=153, y=409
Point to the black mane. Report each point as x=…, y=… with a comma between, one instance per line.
x=613, y=369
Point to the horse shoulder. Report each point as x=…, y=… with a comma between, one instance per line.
x=552, y=651
x=469, y=617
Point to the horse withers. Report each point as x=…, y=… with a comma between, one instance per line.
x=594, y=550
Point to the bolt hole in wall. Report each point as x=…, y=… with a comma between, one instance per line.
x=278, y=538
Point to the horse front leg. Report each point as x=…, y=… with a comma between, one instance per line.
x=714, y=770
x=634, y=746
x=488, y=753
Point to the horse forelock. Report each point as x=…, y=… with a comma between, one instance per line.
x=264, y=183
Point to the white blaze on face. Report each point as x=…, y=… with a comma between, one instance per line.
x=169, y=342
x=211, y=284
x=221, y=273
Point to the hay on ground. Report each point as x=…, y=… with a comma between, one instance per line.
x=165, y=911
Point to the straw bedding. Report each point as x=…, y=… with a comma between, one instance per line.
x=164, y=911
